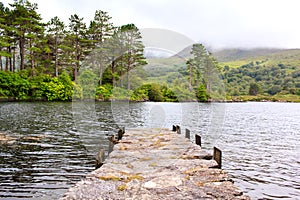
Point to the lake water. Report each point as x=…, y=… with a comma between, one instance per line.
x=47, y=147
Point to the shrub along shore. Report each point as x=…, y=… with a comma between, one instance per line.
x=19, y=87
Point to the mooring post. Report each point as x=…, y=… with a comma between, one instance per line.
x=100, y=157
x=174, y=128
x=120, y=134
x=198, y=139
x=110, y=147
x=187, y=133
x=178, y=129
x=218, y=157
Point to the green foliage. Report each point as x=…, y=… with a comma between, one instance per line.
x=38, y=87
x=53, y=90
x=104, y=92
x=65, y=79
x=58, y=89
x=77, y=92
x=168, y=94
x=154, y=92
x=87, y=80
x=119, y=93
x=266, y=79
x=12, y=85
x=151, y=92
x=254, y=89
x=274, y=89
x=201, y=93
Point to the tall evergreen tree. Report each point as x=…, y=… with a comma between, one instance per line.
x=202, y=67
x=3, y=37
x=56, y=31
x=7, y=38
x=196, y=63
x=114, y=55
x=26, y=22
x=134, y=49
x=100, y=30
x=76, y=35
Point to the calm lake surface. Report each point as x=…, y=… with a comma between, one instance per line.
x=45, y=148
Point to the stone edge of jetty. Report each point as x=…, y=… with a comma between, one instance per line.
x=156, y=164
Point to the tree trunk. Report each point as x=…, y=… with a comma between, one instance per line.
x=77, y=59
x=56, y=60
x=9, y=59
x=32, y=66
x=191, y=75
x=100, y=73
x=10, y=64
x=14, y=59
x=31, y=53
x=121, y=79
x=22, y=52
x=1, y=66
x=128, y=70
x=6, y=64
x=128, y=78
x=113, y=71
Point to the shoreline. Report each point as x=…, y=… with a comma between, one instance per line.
x=13, y=99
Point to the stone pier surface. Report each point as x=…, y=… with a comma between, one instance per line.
x=156, y=164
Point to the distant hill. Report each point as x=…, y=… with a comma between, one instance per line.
x=239, y=54
x=226, y=55
x=275, y=72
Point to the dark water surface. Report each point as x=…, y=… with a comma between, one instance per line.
x=45, y=148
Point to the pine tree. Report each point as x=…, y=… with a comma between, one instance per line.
x=56, y=31
x=100, y=30
x=202, y=67
x=7, y=38
x=76, y=36
x=134, y=48
x=26, y=23
x=196, y=64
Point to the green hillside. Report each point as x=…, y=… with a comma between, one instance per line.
x=270, y=57
x=275, y=73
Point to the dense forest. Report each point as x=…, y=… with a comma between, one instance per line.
x=48, y=60
x=262, y=74
x=55, y=61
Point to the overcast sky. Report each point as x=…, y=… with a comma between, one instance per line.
x=217, y=23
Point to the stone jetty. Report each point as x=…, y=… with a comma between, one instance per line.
x=156, y=164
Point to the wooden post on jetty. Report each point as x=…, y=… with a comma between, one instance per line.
x=174, y=128
x=187, y=133
x=121, y=133
x=198, y=139
x=178, y=129
x=100, y=157
x=218, y=157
